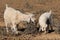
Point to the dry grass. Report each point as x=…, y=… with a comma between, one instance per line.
x=36, y=6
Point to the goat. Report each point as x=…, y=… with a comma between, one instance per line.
x=12, y=17
x=43, y=19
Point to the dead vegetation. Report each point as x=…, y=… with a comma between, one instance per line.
x=30, y=32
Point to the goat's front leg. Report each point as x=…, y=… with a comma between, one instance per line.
x=14, y=29
x=40, y=29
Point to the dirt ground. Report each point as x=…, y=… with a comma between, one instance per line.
x=36, y=6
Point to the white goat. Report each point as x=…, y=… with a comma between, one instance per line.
x=12, y=17
x=43, y=19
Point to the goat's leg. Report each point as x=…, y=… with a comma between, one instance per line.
x=6, y=26
x=40, y=29
x=14, y=29
x=51, y=28
x=45, y=29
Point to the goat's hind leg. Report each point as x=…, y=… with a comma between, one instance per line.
x=6, y=26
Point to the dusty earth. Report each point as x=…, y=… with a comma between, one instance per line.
x=36, y=6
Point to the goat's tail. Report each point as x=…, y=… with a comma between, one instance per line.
x=6, y=5
x=50, y=11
